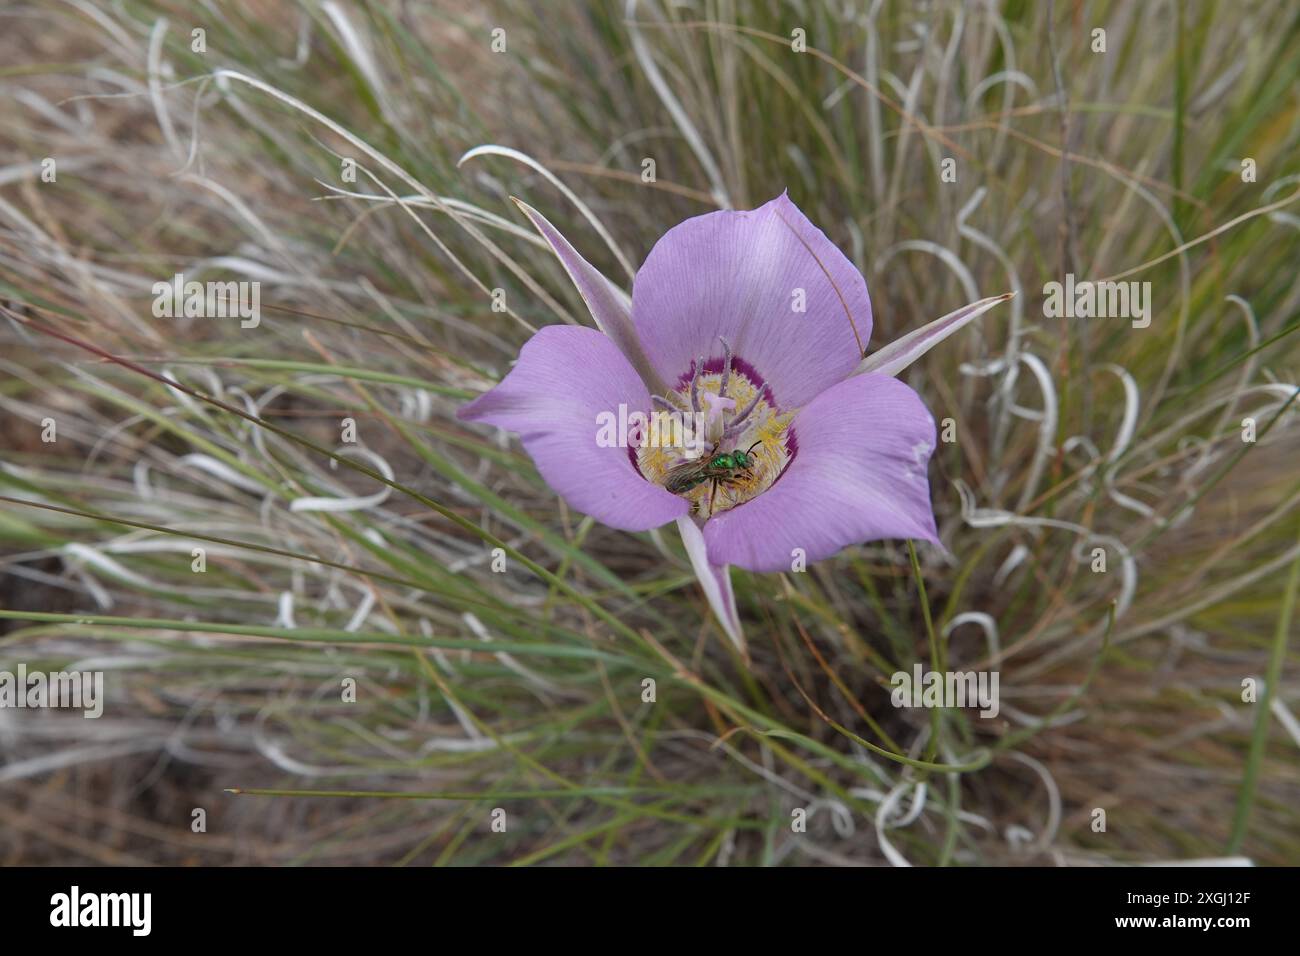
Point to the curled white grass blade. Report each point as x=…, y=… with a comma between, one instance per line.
x=883, y=813
x=608, y=305
x=716, y=582
x=1046, y=429
x=901, y=353
x=1128, y=425
x=350, y=502
x=841, y=818
x=942, y=253
x=985, y=621
x=220, y=469
x=995, y=518
x=1013, y=561
x=1248, y=368
x=1053, y=824
x=569, y=194
x=1005, y=76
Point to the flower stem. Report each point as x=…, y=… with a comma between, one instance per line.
x=936, y=657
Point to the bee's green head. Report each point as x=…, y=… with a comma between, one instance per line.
x=744, y=459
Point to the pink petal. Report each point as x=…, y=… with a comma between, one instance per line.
x=736, y=275
x=859, y=475
x=902, y=352
x=716, y=582
x=607, y=303
x=565, y=378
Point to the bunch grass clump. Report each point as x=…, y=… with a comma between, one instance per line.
x=395, y=636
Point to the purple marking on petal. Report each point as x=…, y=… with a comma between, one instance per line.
x=791, y=449
x=791, y=441
x=567, y=377
x=860, y=475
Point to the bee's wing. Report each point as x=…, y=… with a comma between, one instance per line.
x=688, y=467
x=686, y=472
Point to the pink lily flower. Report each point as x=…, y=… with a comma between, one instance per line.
x=751, y=327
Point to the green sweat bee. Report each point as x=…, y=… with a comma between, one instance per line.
x=718, y=467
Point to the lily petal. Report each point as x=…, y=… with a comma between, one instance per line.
x=901, y=353
x=859, y=475
x=716, y=582
x=566, y=377
x=742, y=276
x=608, y=304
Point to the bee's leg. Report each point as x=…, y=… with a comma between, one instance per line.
x=713, y=494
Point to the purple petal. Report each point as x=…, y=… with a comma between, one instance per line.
x=716, y=582
x=902, y=352
x=859, y=475
x=565, y=378
x=607, y=303
x=738, y=275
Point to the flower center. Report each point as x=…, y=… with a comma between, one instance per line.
x=737, y=442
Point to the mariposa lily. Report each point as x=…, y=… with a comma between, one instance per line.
x=751, y=323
